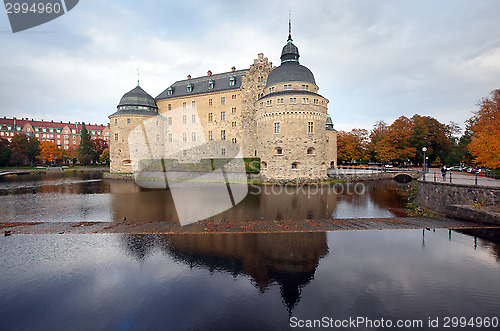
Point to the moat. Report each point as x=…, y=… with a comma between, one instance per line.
x=244, y=281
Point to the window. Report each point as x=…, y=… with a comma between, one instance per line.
x=170, y=121
x=210, y=117
x=222, y=100
x=305, y=87
x=193, y=104
x=210, y=84
x=116, y=122
x=263, y=165
x=116, y=136
x=232, y=81
x=209, y=102
x=184, y=119
x=223, y=135
x=210, y=135
x=184, y=136
x=305, y=100
x=279, y=101
x=287, y=87
x=310, y=127
x=277, y=127
x=193, y=136
x=233, y=97
x=310, y=151
x=233, y=110
x=184, y=152
x=169, y=106
x=261, y=79
x=170, y=138
x=223, y=152
x=222, y=115
x=170, y=90
x=184, y=105
x=278, y=151
x=233, y=124
x=193, y=118
x=316, y=101
x=295, y=165
x=233, y=140
x=189, y=88
x=293, y=100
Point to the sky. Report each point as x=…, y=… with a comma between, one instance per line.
x=374, y=60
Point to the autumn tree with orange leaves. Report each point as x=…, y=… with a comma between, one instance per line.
x=49, y=151
x=352, y=146
x=485, y=129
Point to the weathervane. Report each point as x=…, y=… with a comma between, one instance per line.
x=289, y=25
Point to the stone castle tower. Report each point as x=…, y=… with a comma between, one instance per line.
x=291, y=122
x=271, y=113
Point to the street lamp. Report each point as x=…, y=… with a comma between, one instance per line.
x=424, y=149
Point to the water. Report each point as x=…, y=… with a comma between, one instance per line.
x=243, y=281
x=87, y=197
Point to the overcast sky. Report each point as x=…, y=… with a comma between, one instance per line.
x=374, y=60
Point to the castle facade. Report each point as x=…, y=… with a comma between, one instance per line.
x=271, y=113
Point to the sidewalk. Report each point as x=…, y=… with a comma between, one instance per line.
x=434, y=175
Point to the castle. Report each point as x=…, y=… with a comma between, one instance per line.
x=271, y=113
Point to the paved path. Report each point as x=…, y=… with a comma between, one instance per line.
x=222, y=226
x=460, y=178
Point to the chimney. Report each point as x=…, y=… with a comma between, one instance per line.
x=189, y=76
x=233, y=68
x=209, y=73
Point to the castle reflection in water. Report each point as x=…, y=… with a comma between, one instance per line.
x=286, y=259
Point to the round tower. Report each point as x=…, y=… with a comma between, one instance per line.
x=291, y=122
x=135, y=107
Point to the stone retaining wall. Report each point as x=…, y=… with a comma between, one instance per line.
x=444, y=198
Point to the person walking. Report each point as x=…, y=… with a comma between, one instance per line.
x=443, y=172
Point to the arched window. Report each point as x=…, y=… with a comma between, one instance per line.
x=190, y=87
x=295, y=165
x=210, y=84
x=263, y=165
x=311, y=151
x=170, y=90
x=232, y=81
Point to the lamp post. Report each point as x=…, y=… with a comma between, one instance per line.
x=424, y=149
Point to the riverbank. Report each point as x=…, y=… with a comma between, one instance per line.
x=223, y=226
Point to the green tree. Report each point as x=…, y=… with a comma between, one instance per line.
x=5, y=152
x=85, y=153
x=429, y=132
x=32, y=150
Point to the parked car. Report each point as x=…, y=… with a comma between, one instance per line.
x=388, y=166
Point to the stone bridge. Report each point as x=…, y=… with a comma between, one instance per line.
x=368, y=173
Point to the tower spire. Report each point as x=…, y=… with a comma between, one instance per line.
x=289, y=25
x=137, y=75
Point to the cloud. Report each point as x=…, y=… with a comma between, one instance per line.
x=372, y=60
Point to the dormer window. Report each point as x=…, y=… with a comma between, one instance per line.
x=210, y=84
x=170, y=91
x=190, y=87
x=232, y=81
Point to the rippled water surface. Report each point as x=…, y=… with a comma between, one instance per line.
x=243, y=281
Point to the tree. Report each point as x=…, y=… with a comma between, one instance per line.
x=485, y=132
x=396, y=144
x=352, y=146
x=5, y=152
x=32, y=150
x=377, y=136
x=18, y=145
x=85, y=154
x=98, y=146
x=430, y=133
x=104, y=158
x=49, y=152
